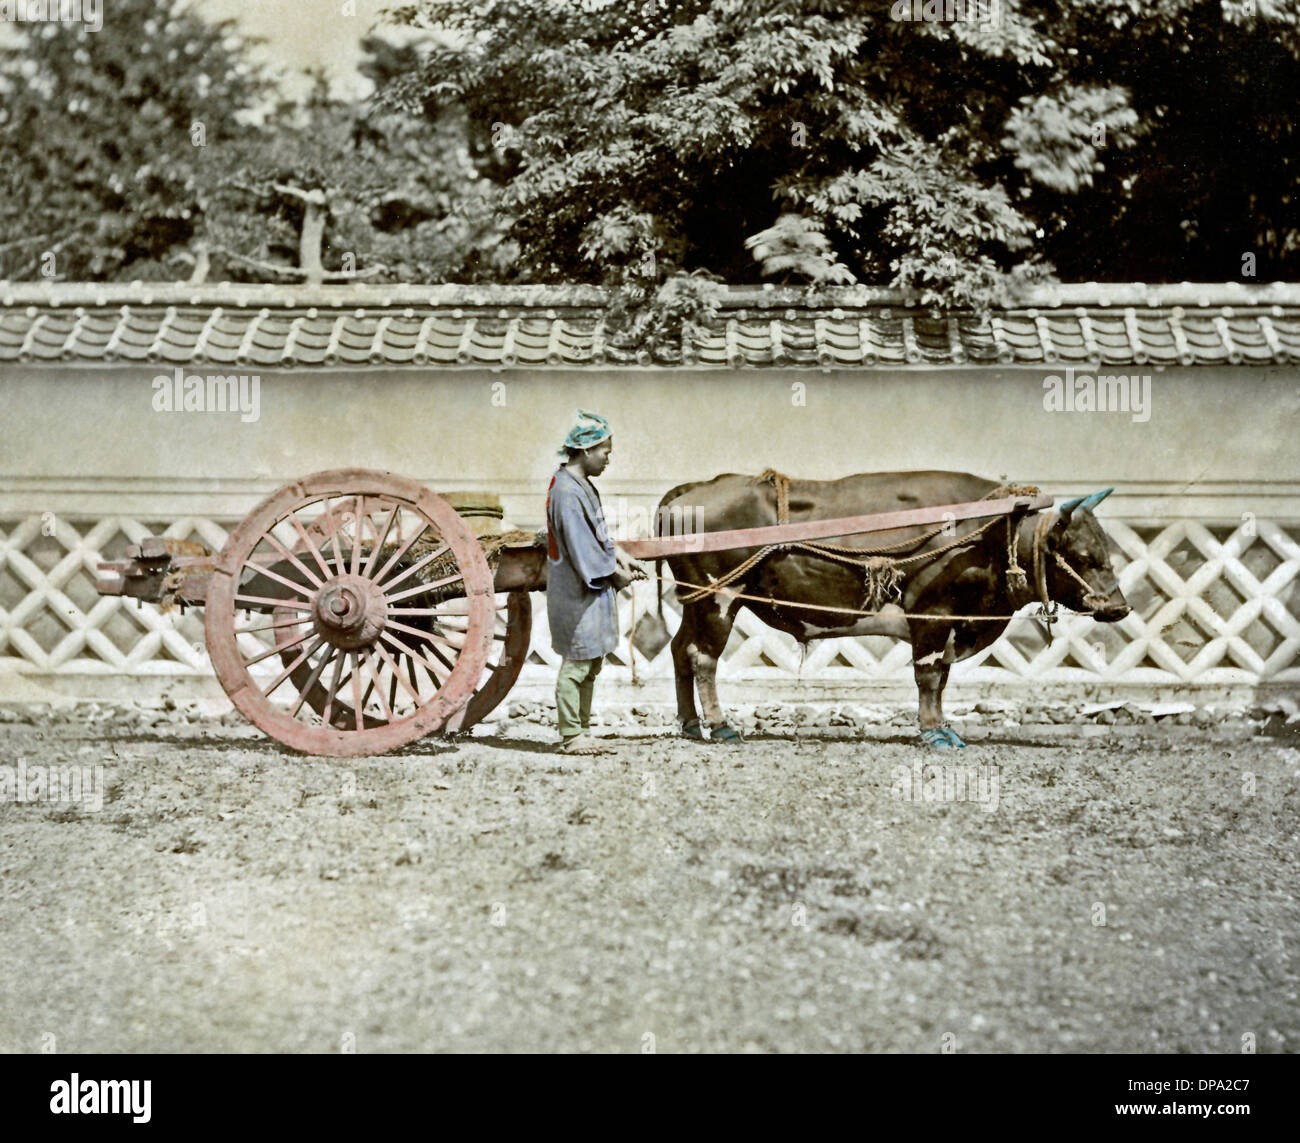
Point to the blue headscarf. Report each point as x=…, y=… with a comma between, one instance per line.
x=584, y=436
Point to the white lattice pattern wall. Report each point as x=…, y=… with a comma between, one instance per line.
x=1213, y=605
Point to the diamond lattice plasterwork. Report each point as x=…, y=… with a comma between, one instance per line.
x=1213, y=606
x=53, y=622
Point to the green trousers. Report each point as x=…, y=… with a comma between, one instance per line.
x=573, y=690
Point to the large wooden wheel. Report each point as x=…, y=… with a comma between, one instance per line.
x=511, y=637
x=372, y=613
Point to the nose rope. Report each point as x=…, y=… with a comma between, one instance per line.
x=1091, y=596
x=1089, y=592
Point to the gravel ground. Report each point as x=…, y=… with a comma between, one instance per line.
x=1121, y=892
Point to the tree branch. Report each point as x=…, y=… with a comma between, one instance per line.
x=21, y=241
x=298, y=271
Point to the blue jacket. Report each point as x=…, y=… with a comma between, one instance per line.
x=579, y=596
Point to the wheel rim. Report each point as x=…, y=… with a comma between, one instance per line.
x=349, y=577
x=513, y=637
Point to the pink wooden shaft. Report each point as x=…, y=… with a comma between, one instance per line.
x=739, y=538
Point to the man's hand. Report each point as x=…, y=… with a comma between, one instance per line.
x=626, y=572
x=620, y=579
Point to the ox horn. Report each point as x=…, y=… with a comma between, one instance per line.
x=1066, y=510
x=1096, y=498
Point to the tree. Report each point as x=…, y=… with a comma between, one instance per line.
x=633, y=141
x=155, y=149
x=334, y=193
x=103, y=137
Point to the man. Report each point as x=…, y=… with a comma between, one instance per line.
x=584, y=572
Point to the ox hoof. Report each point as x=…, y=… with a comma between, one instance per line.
x=954, y=739
x=723, y=733
x=935, y=738
x=693, y=728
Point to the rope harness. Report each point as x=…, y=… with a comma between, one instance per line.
x=883, y=574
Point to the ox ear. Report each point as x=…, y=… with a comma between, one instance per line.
x=1066, y=510
x=1096, y=498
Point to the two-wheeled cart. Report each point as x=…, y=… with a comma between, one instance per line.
x=354, y=611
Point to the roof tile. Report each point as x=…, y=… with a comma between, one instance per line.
x=767, y=333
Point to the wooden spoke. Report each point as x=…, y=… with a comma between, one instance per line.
x=286, y=604
x=434, y=637
x=380, y=540
x=397, y=674
x=356, y=694
x=305, y=592
x=370, y=686
x=408, y=630
x=269, y=626
x=412, y=655
x=379, y=689
x=358, y=516
x=339, y=562
x=378, y=577
x=279, y=649
x=415, y=567
x=334, y=689
x=312, y=680
x=424, y=588
x=309, y=543
x=289, y=670
x=441, y=657
x=288, y=555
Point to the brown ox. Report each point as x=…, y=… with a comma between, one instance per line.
x=1069, y=564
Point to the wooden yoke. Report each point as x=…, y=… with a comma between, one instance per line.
x=662, y=547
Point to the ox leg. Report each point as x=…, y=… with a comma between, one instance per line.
x=931, y=661
x=954, y=739
x=684, y=673
x=712, y=629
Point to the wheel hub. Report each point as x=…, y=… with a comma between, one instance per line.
x=350, y=611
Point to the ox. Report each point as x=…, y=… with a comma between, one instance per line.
x=1060, y=556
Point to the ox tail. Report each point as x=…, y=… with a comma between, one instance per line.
x=659, y=588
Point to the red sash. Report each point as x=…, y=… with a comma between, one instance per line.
x=551, y=549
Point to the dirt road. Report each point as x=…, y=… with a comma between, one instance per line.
x=489, y=895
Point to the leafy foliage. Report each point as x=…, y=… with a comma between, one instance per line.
x=386, y=187
x=836, y=141
x=155, y=149
x=100, y=174
x=793, y=245
x=663, y=148
x=1058, y=138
